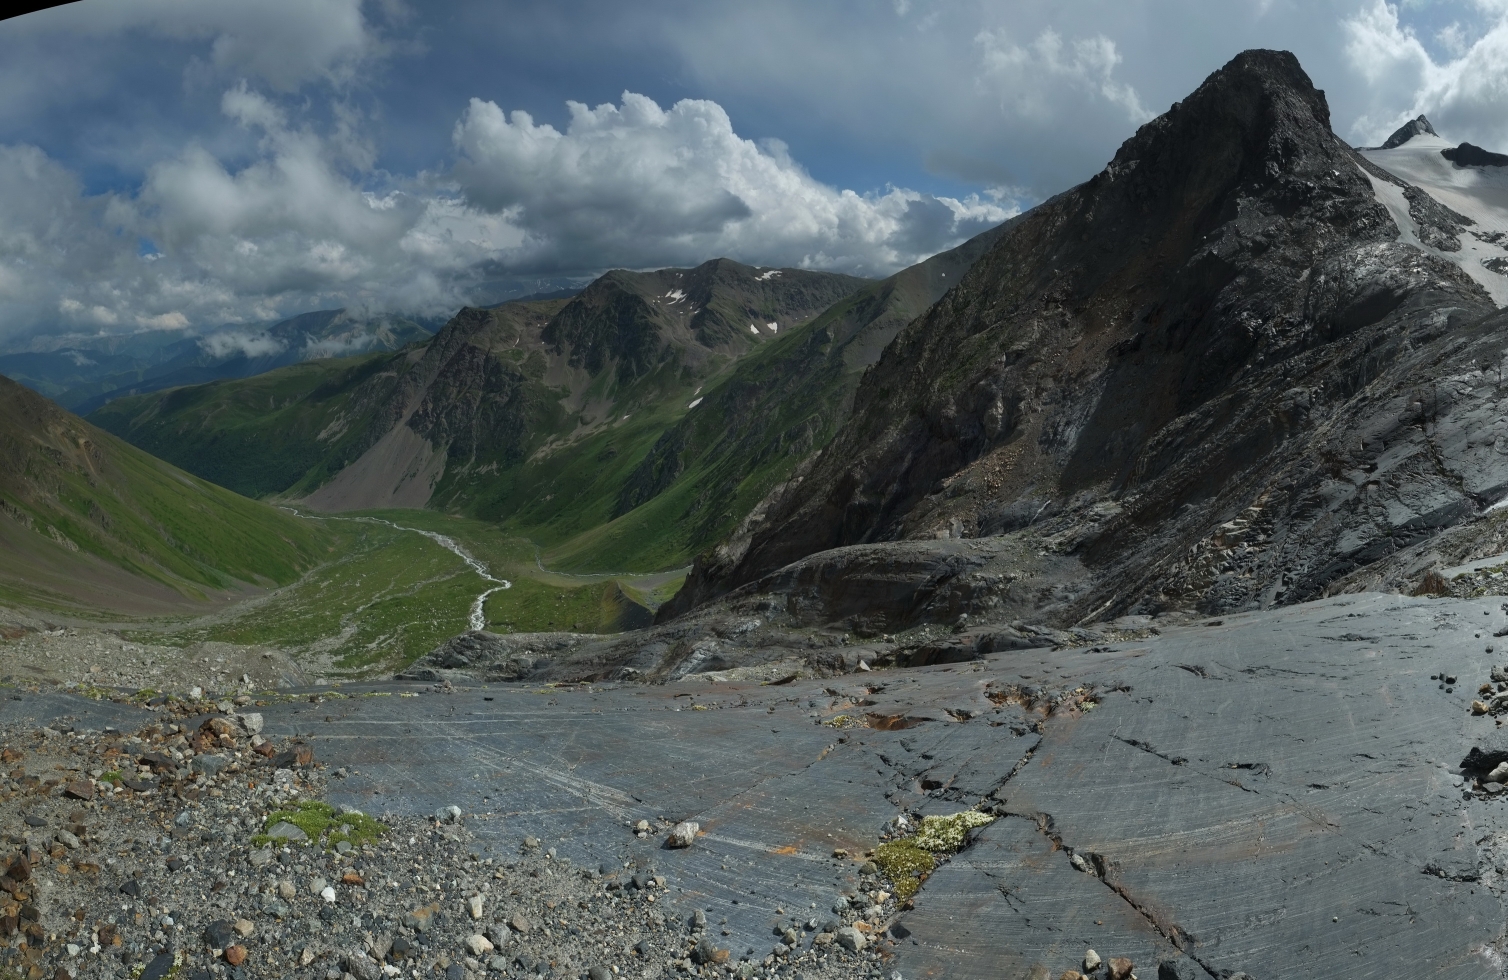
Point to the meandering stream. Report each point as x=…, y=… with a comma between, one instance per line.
x=477, y=619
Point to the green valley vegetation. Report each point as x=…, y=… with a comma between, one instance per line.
x=92, y=525
x=391, y=594
x=625, y=430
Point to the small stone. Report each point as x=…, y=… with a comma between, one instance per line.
x=261, y=857
x=1078, y=862
x=32, y=820
x=1091, y=961
x=869, y=868
x=840, y=853
x=79, y=789
x=131, y=888
x=1180, y=968
x=520, y=924
x=478, y=944
x=251, y=721
x=599, y=973
x=1478, y=708
x=67, y=839
x=283, y=830
x=642, y=827
x=286, y=891
x=352, y=878
x=219, y=934
x=684, y=834
x=317, y=885
x=474, y=905
x=328, y=894
x=235, y=955
x=245, y=928
x=294, y=757
x=1119, y=968
x=448, y=814
x=531, y=842
x=1071, y=975
x=1450, y=678
x=850, y=939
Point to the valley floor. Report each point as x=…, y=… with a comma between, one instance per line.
x=398, y=584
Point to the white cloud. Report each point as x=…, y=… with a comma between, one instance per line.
x=230, y=343
x=286, y=43
x=1463, y=95
x=638, y=185
x=1030, y=80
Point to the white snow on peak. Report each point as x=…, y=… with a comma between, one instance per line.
x=1479, y=193
x=767, y=276
x=753, y=330
x=675, y=295
x=694, y=403
x=772, y=327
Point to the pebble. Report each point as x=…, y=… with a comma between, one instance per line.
x=478, y=944
x=328, y=894
x=1119, y=968
x=287, y=831
x=850, y=939
x=474, y=905
x=1091, y=961
x=684, y=834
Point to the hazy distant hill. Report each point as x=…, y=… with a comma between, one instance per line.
x=82, y=378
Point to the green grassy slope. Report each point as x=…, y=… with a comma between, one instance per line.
x=71, y=493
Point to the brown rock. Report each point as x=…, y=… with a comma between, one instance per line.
x=9, y=754
x=1119, y=967
x=352, y=878
x=20, y=868
x=235, y=955
x=293, y=756
x=1071, y=975
x=79, y=789
x=217, y=726
x=265, y=750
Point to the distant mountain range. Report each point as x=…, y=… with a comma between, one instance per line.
x=82, y=378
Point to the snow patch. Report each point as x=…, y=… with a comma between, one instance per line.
x=675, y=295
x=767, y=276
x=772, y=327
x=753, y=330
x=694, y=403
x=1479, y=193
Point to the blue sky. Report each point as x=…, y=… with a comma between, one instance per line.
x=168, y=164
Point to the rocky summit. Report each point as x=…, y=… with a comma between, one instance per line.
x=1122, y=593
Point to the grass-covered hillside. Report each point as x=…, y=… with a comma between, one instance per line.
x=89, y=521
x=626, y=429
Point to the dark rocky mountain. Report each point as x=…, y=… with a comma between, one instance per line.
x=1414, y=127
x=1210, y=378
x=535, y=412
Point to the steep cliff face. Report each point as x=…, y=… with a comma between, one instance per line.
x=1173, y=373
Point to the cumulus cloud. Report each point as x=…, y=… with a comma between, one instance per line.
x=635, y=184
x=1463, y=94
x=1031, y=79
x=282, y=42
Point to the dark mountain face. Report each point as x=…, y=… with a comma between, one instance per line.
x=1470, y=155
x=1406, y=132
x=1169, y=374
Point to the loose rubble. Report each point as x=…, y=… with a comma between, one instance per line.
x=195, y=848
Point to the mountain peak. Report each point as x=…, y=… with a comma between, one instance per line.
x=1414, y=127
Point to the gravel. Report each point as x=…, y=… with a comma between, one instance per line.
x=178, y=878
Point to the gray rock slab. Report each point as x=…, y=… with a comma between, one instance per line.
x=1276, y=794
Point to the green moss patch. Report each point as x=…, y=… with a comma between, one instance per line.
x=322, y=821
x=905, y=864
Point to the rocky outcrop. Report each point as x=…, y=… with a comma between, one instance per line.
x=1210, y=374
x=1467, y=155
x=1414, y=127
